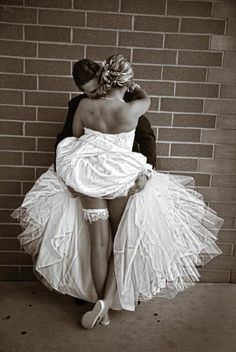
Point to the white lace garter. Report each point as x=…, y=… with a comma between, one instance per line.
x=92, y=215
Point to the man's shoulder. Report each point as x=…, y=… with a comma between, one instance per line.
x=74, y=102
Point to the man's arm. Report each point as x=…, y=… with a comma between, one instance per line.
x=146, y=139
x=67, y=128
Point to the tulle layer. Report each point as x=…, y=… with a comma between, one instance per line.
x=165, y=232
x=174, y=231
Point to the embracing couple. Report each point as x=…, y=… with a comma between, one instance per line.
x=104, y=225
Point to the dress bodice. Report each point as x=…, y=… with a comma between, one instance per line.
x=122, y=139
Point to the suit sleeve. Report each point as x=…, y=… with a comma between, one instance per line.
x=145, y=137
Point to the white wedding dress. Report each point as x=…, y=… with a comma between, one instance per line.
x=166, y=230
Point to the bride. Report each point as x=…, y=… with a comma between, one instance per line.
x=165, y=231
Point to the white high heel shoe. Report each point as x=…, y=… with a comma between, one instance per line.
x=92, y=318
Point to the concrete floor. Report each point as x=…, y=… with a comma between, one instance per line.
x=201, y=319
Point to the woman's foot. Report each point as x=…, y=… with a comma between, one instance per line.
x=92, y=318
x=105, y=320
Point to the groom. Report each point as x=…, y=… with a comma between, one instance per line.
x=86, y=77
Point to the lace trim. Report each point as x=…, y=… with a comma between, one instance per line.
x=92, y=215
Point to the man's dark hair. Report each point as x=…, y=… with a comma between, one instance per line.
x=84, y=71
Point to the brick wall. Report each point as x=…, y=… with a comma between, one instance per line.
x=184, y=55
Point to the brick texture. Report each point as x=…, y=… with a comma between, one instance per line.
x=183, y=54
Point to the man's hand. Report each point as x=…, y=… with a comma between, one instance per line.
x=140, y=183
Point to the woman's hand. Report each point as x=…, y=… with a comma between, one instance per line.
x=139, y=185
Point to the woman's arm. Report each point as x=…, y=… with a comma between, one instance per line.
x=139, y=105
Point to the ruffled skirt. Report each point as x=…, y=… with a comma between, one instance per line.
x=166, y=231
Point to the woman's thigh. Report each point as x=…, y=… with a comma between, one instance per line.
x=116, y=208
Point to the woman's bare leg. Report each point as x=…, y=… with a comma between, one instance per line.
x=116, y=209
x=99, y=232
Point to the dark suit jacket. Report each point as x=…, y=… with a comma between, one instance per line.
x=144, y=141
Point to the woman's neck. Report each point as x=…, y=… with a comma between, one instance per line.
x=116, y=93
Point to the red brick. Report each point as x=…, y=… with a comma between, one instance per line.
x=158, y=88
x=13, y=97
x=175, y=73
x=27, y=274
x=9, y=258
x=8, y=64
x=102, y=5
x=18, y=81
x=176, y=164
x=100, y=53
x=200, y=178
x=19, y=49
x=46, y=99
x=222, y=74
x=10, y=187
x=12, y=2
x=223, y=181
x=226, y=122
x=139, y=6
x=233, y=276
x=154, y=56
x=10, y=158
x=179, y=134
x=214, y=106
x=225, y=151
x=17, y=143
x=229, y=222
x=194, y=150
x=222, y=262
x=227, y=235
x=65, y=84
x=154, y=104
x=199, y=58
x=16, y=173
x=222, y=42
x=40, y=171
x=48, y=67
x=191, y=25
x=218, y=194
x=230, y=59
x=17, y=113
x=9, y=273
x=46, y=144
x=111, y=21
x=162, y=149
x=197, y=90
x=27, y=186
x=147, y=72
x=214, y=275
x=159, y=119
x=62, y=18
x=9, y=244
x=183, y=8
x=158, y=24
x=61, y=51
x=92, y=36
x=228, y=91
x=10, y=202
x=43, y=129
x=47, y=33
x=18, y=15
x=38, y=159
x=186, y=41
x=231, y=27
x=45, y=3
x=181, y=105
x=141, y=39
x=52, y=114
x=10, y=230
x=225, y=9
x=217, y=166
x=11, y=127
x=194, y=120
x=9, y=31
